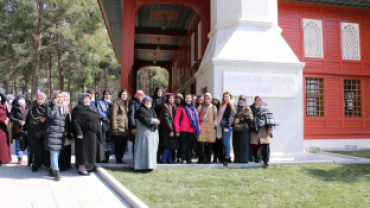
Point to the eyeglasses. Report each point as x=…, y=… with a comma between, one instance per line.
x=242, y=99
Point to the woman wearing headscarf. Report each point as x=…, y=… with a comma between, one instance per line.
x=57, y=127
x=133, y=106
x=87, y=128
x=218, y=147
x=146, y=144
x=225, y=118
x=187, y=125
x=120, y=124
x=35, y=125
x=168, y=141
x=158, y=99
x=243, y=118
x=260, y=135
x=207, y=117
x=104, y=108
x=9, y=101
x=5, y=155
x=66, y=154
x=18, y=117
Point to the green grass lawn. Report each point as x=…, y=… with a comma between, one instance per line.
x=276, y=186
x=360, y=153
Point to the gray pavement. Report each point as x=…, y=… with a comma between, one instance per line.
x=19, y=187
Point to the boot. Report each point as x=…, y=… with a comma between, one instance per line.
x=35, y=168
x=57, y=175
x=106, y=157
x=19, y=160
x=226, y=161
x=51, y=173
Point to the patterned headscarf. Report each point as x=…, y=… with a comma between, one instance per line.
x=42, y=95
x=83, y=96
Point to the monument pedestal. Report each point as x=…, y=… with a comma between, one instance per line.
x=247, y=55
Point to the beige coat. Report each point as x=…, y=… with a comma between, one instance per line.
x=263, y=136
x=119, y=119
x=208, y=127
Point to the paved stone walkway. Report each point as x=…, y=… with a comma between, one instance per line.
x=19, y=187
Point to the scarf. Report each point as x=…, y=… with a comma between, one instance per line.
x=83, y=96
x=88, y=119
x=245, y=100
x=167, y=111
x=221, y=113
x=36, y=114
x=194, y=123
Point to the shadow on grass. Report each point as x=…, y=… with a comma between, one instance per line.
x=128, y=170
x=341, y=173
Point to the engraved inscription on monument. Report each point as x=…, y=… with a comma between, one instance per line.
x=266, y=85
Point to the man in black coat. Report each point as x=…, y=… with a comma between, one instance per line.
x=133, y=106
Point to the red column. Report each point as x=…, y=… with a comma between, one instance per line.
x=128, y=32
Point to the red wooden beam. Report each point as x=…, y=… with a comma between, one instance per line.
x=154, y=47
x=160, y=32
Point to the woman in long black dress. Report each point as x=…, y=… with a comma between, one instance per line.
x=241, y=136
x=87, y=128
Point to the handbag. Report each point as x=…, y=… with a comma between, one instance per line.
x=69, y=140
x=17, y=129
x=23, y=141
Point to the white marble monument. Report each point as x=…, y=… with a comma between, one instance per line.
x=246, y=54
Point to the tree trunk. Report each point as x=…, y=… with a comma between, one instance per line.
x=26, y=82
x=69, y=73
x=38, y=36
x=59, y=54
x=101, y=81
x=106, y=78
x=15, y=77
x=51, y=81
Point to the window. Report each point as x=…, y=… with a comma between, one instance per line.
x=313, y=45
x=192, y=49
x=350, y=41
x=199, y=40
x=352, y=98
x=314, y=97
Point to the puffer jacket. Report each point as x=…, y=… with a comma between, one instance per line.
x=56, y=125
x=119, y=119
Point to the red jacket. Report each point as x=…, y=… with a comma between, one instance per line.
x=182, y=121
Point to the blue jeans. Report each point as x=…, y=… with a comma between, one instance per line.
x=18, y=150
x=226, y=141
x=166, y=156
x=54, y=156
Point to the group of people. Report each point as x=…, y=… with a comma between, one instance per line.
x=164, y=128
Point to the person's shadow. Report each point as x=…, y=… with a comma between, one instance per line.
x=344, y=173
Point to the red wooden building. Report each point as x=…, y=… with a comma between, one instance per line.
x=331, y=37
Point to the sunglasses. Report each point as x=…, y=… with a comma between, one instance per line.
x=242, y=99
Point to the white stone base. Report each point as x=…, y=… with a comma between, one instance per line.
x=336, y=144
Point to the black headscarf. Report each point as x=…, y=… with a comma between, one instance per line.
x=158, y=101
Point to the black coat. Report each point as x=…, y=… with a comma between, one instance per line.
x=145, y=115
x=229, y=115
x=86, y=123
x=166, y=127
x=16, y=115
x=56, y=125
x=133, y=106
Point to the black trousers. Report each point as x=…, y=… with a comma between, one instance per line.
x=204, y=152
x=218, y=151
x=186, y=140
x=132, y=138
x=38, y=146
x=264, y=150
x=120, y=144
